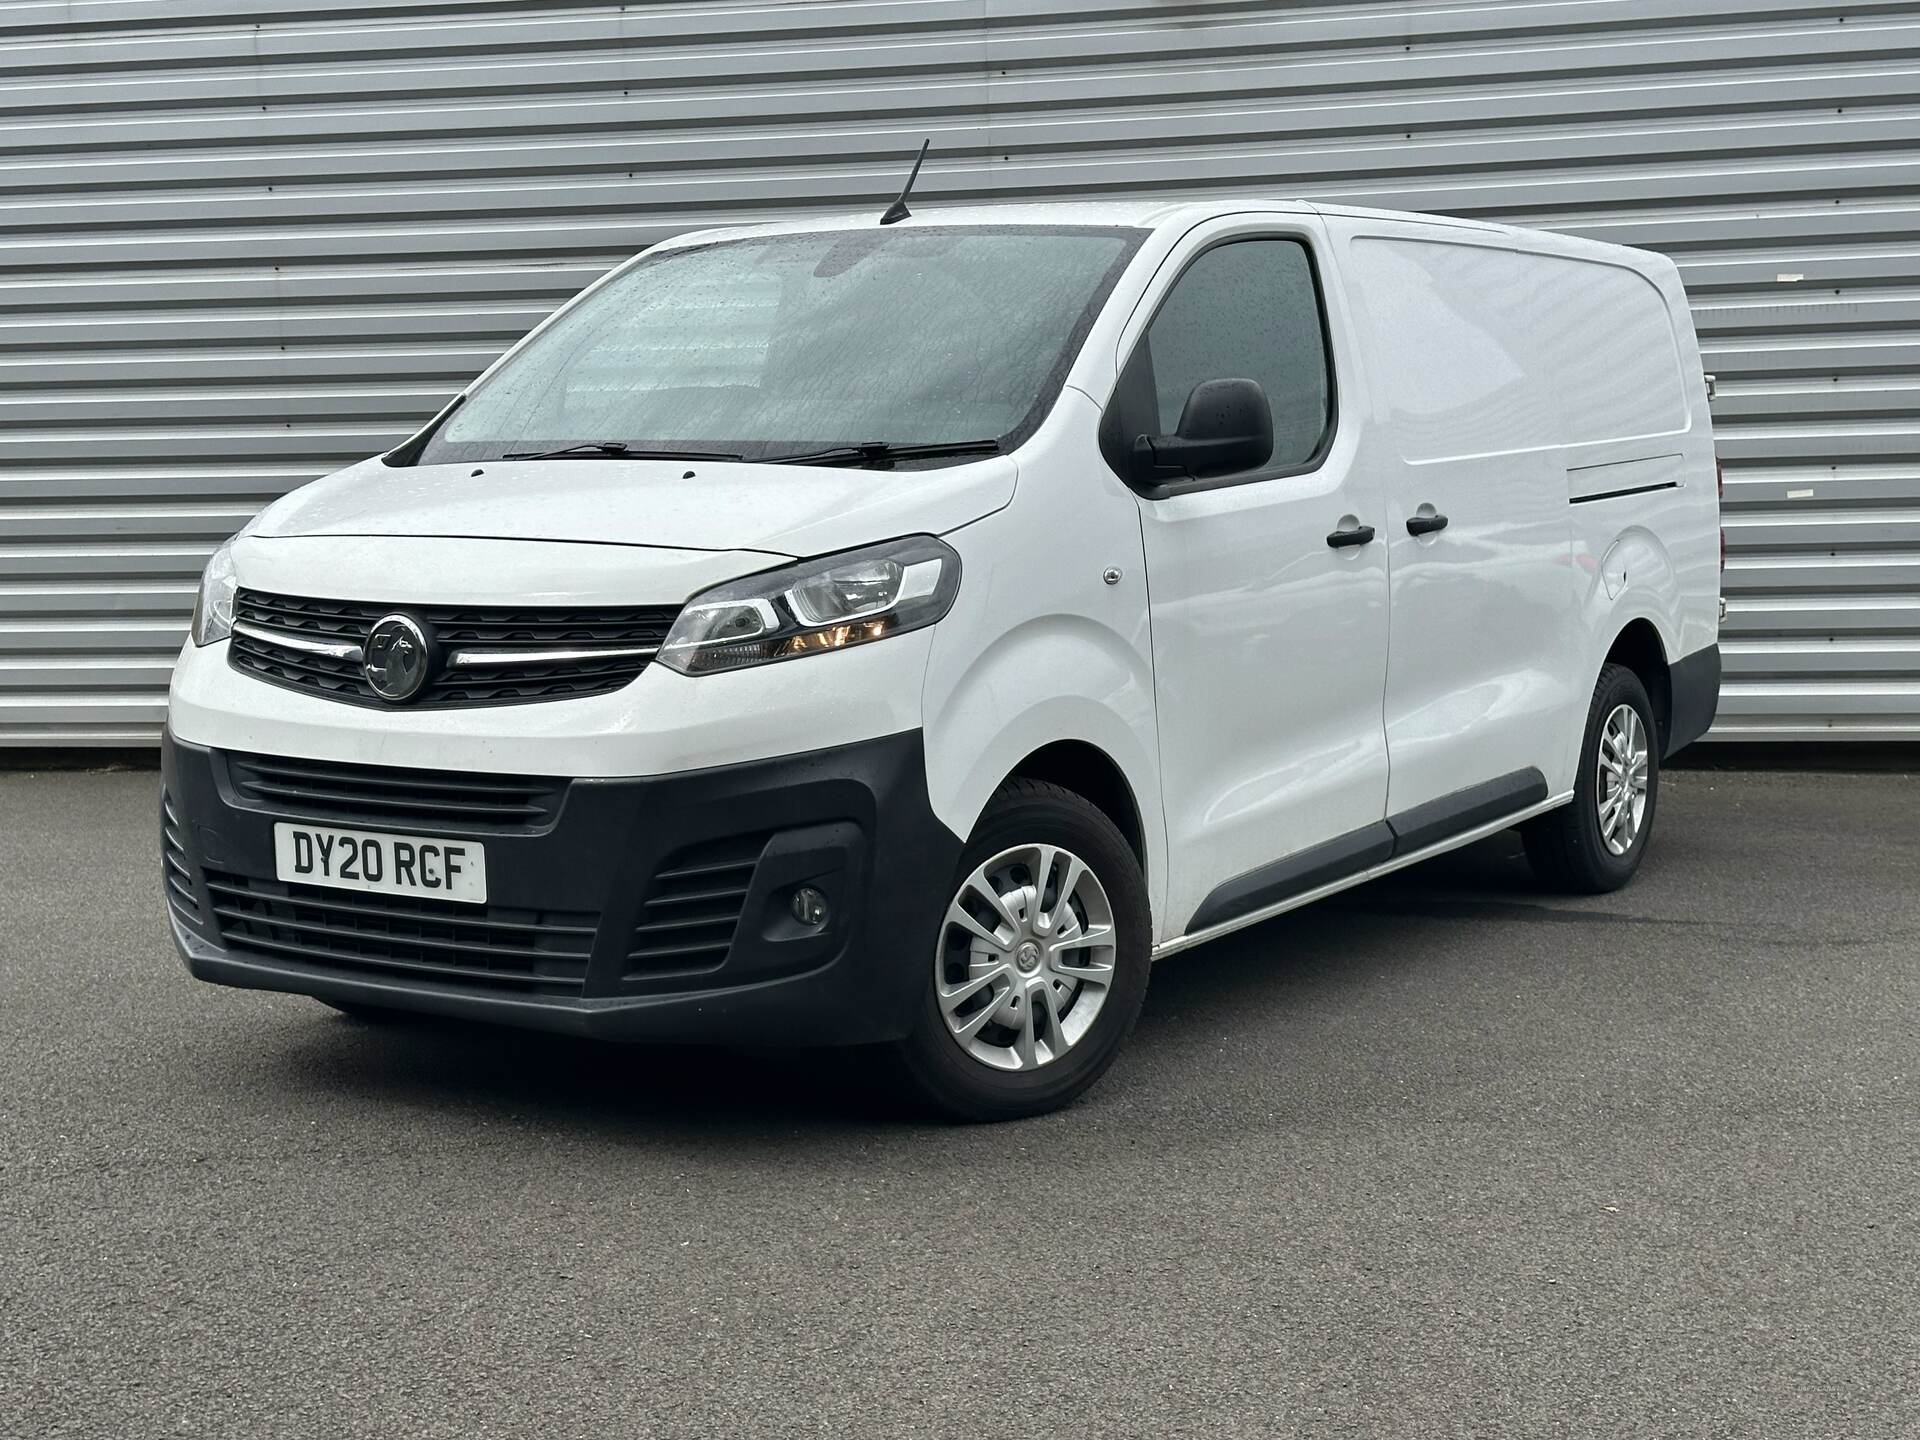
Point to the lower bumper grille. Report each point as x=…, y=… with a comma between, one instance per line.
x=521, y=950
x=175, y=867
x=386, y=795
x=694, y=906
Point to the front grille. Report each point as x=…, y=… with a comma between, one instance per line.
x=174, y=864
x=385, y=795
x=482, y=945
x=506, y=632
x=693, y=906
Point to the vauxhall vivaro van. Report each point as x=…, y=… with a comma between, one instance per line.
x=901, y=634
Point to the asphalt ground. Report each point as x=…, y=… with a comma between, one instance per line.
x=1442, y=1157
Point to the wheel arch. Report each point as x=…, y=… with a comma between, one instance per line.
x=1639, y=648
x=1096, y=777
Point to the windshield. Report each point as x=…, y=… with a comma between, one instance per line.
x=791, y=343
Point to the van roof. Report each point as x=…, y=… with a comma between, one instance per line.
x=1147, y=213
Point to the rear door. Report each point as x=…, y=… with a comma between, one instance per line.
x=1269, y=642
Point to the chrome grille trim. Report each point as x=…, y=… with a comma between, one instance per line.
x=332, y=649
x=471, y=658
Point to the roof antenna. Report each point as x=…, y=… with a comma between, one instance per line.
x=898, y=210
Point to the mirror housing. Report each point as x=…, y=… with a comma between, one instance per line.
x=1226, y=426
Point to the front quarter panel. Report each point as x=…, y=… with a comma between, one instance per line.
x=1039, y=648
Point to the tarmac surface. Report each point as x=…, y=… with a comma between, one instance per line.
x=1441, y=1157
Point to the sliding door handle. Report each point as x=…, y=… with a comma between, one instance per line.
x=1426, y=524
x=1357, y=535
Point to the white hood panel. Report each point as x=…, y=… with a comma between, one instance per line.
x=794, y=510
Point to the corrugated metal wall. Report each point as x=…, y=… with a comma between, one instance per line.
x=245, y=241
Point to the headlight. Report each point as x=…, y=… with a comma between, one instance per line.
x=213, y=611
x=818, y=605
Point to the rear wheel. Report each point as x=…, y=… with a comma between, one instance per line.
x=1596, y=843
x=1041, y=964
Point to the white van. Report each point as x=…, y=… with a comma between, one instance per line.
x=902, y=634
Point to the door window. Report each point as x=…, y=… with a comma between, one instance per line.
x=1249, y=309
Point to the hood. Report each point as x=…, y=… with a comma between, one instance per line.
x=796, y=510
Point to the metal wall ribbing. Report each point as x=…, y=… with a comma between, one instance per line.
x=243, y=242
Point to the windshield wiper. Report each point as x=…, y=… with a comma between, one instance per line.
x=615, y=450
x=883, y=452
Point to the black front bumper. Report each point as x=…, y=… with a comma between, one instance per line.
x=607, y=913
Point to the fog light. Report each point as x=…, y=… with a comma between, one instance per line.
x=809, y=906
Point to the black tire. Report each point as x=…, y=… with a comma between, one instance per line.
x=953, y=1083
x=1565, y=846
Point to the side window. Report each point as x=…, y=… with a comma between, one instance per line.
x=1247, y=309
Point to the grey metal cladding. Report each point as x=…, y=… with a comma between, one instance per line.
x=243, y=242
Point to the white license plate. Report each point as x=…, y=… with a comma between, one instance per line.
x=390, y=864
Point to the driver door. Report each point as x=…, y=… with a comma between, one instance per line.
x=1268, y=594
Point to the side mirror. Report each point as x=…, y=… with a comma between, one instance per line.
x=1226, y=426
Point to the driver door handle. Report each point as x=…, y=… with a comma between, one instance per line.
x=1426, y=524
x=1358, y=535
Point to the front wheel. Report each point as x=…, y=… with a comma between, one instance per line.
x=1594, y=844
x=1041, y=964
